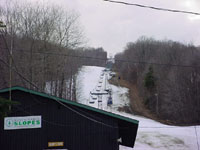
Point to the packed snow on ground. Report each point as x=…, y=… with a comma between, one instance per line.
x=92, y=79
x=151, y=135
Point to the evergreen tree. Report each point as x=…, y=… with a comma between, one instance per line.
x=4, y=106
x=149, y=80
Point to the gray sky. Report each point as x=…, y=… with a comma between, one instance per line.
x=112, y=26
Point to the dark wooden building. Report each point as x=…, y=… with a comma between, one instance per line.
x=64, y=124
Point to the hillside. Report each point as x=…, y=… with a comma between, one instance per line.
x=165, y=76
x=152, y=135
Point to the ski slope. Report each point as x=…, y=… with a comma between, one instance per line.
x=151, y=135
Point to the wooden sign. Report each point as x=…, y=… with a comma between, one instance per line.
x=55, y=144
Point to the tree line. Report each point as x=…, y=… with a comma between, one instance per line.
x=167, y=75
x=46, y=46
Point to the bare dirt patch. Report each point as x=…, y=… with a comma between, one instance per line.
x=137, y=106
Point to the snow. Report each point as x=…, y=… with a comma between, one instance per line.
x=87, y=79
x=152, y=135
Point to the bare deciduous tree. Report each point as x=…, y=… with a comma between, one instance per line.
x=175, y=94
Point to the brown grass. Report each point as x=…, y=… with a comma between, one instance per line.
x=136, y=103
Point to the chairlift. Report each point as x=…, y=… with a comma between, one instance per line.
x=106, y=90
x=99, y=100
x=109, y=90
x=94, y=97
x=91, y=102
x=97, y=89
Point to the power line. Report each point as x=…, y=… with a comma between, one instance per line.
x=155, y=8
x=105, y=59
x=73, y=110
x=10, y=67
x=20, y=75
x=89, y=118
x=63, y=54
x=57, y=124
x=116, y=60
x=81, y=114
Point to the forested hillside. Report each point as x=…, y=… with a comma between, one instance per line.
x=167, y=76
x=43, y=44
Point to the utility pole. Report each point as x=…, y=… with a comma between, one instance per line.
x=11, y=48
x=156, y=94
x=105, y=80
x=2, y=26
x=156, y=103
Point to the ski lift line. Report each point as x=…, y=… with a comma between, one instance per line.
x=119, y=60
x=98, y=93
x=154, y=8
x=94, y=97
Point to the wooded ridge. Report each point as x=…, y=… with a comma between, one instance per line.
x=167, y=76
x=43, y=44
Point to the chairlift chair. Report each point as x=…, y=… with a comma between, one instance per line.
x=109, y=101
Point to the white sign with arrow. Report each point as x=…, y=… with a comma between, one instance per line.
x=27, y=122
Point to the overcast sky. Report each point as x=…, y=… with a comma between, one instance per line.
x=112, y=26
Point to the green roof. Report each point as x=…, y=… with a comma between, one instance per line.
x=71, y=103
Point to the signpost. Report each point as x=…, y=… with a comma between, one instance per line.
x=27, y=122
